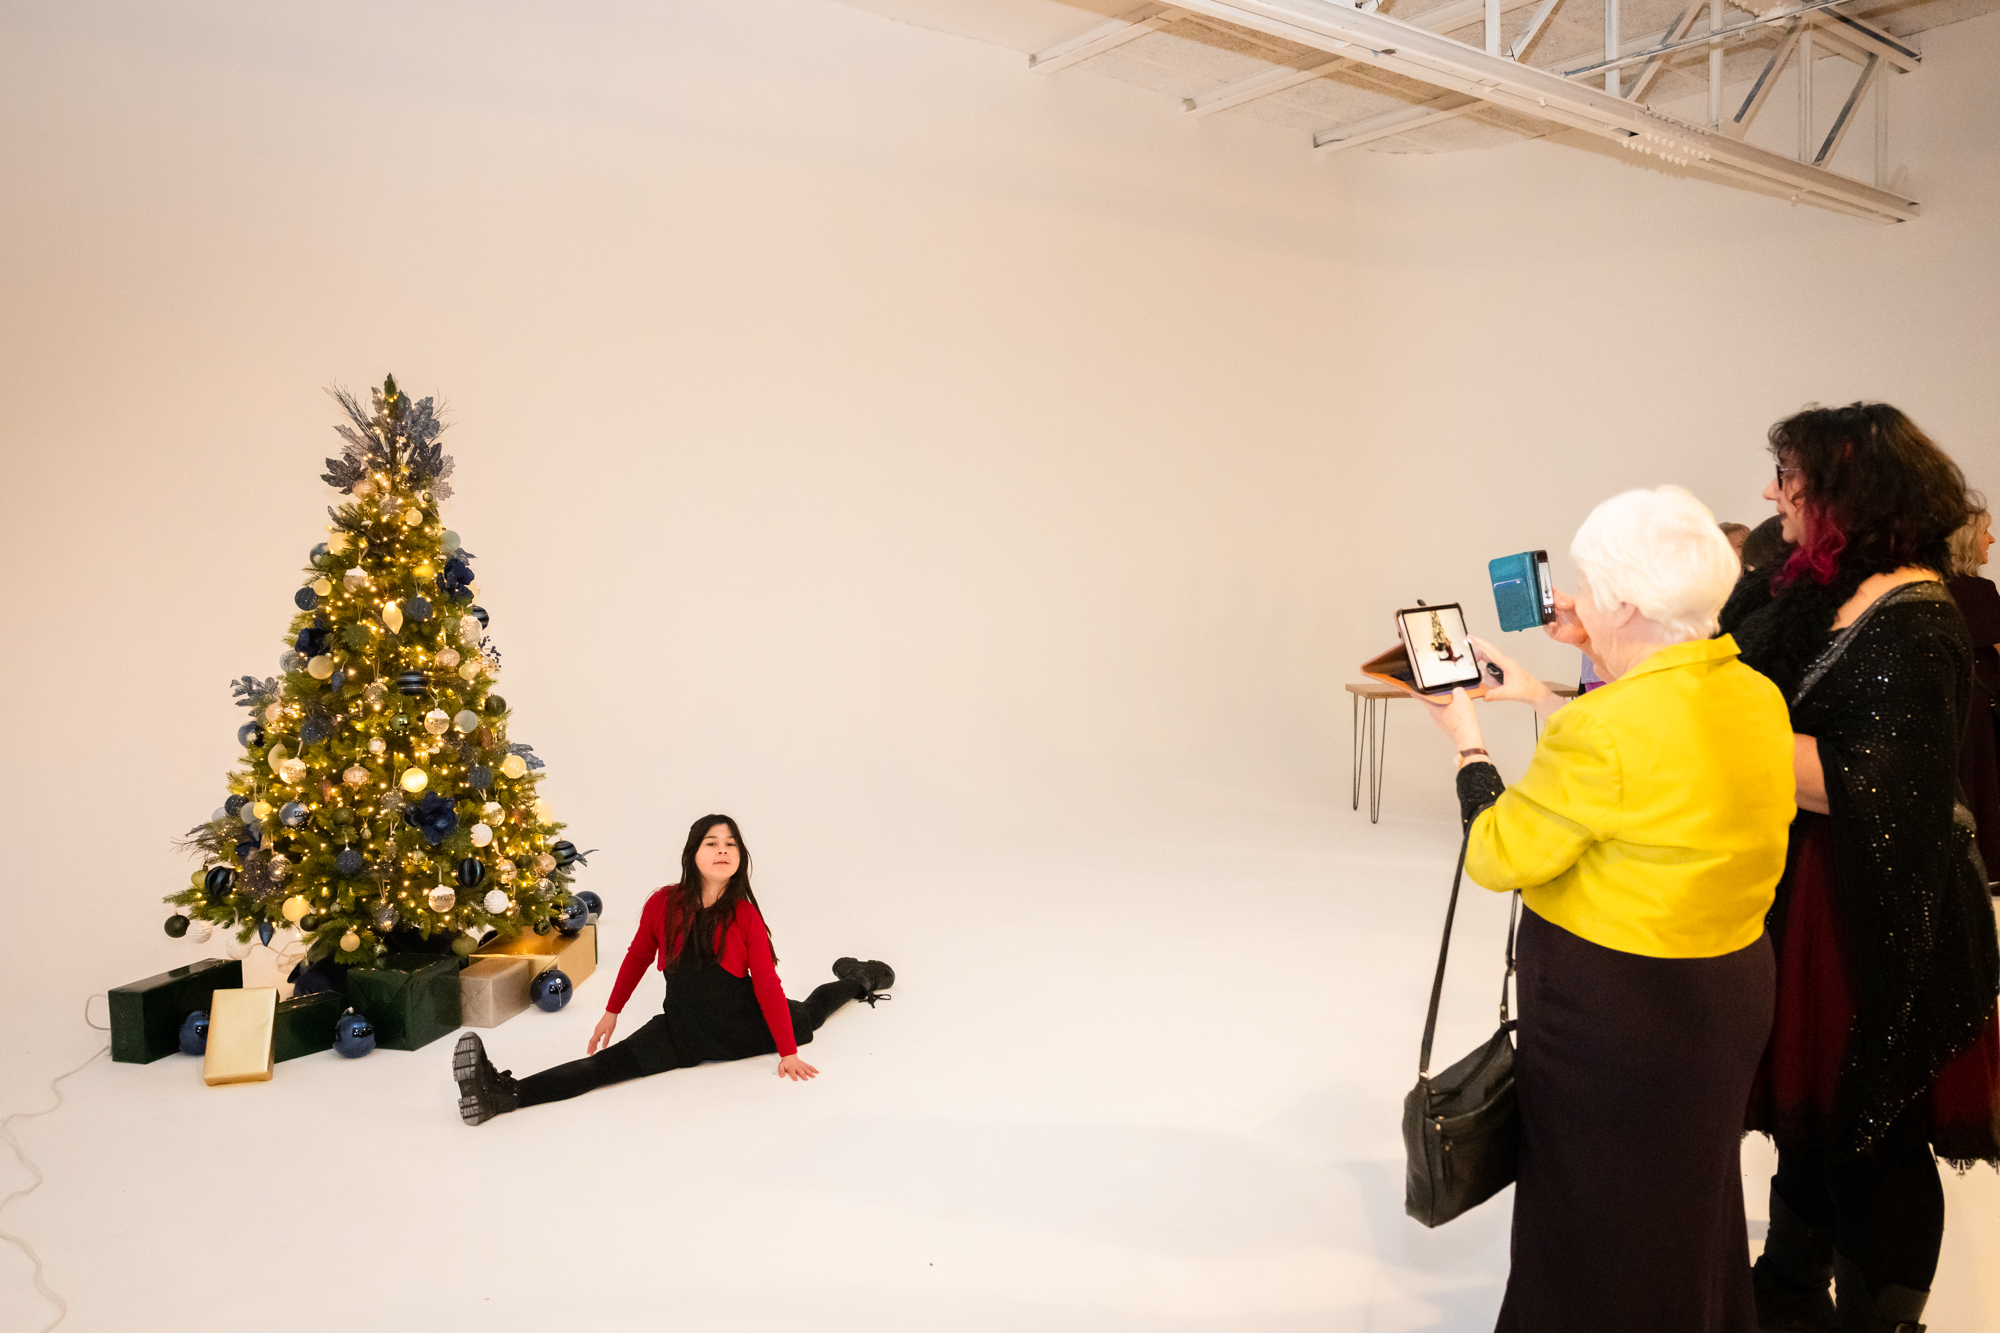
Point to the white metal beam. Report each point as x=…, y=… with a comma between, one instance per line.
x=1845, y=120
x=1874, y=41
x=1652, y=68
x=1536, y=22
x=1106, y=36
x=1453, y=66
x=1760, y=91
x=1448, y=107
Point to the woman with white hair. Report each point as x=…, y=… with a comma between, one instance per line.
x=1646, y=838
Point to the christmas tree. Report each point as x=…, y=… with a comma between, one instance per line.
x=379, y=794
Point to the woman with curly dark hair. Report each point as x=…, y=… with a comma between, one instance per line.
x=1883, y=1046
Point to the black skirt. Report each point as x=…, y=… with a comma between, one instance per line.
x=1632, y=1074
x=709, y=1015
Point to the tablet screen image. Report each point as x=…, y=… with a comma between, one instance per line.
x=1440, y=650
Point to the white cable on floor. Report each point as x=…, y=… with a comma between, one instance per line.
x=55, y=1086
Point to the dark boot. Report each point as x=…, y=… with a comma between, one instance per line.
x=1792, y=1277
x=483, y=1091
x=873, y=977
x=1892, y=1309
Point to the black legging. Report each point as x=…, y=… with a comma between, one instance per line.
x=1886, y=1210
x=616, y=1063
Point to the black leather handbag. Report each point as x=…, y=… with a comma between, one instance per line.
x=1461, y=1129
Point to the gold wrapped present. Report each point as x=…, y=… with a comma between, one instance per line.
x=575, y=954
x=240, y=1024
x=493, y=989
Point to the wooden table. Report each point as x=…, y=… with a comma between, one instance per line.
x=1371, y=726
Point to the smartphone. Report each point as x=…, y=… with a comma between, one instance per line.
x=1439, y=648
x=1522, y=591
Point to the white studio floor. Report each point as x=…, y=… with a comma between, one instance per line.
x=1152, y=1087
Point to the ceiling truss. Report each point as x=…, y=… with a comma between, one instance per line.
x=1469, y=79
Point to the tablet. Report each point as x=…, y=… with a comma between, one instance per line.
x=1440, y=649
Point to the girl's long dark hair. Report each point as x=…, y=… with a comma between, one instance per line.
x=702, y=926
x=1877, y=495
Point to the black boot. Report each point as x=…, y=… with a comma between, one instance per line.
x=483, y=1091
x=1892, y=1309
x=873, y=977
x=1792, y=1277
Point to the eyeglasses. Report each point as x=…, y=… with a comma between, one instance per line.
x=1782, y=470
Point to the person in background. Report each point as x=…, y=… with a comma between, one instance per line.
x=1765, y=547
x=1979, y=753
x=1646, y=838
x=1737, y=533
x=1883, y=1049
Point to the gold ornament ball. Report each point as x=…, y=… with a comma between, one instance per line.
x=295, y=907
x=415, y=780
x=469, y=628
x=292, y=771
x=481, y=835
x=259, y=810
x=320, y=668
x=272, y=713
x=355, y=579
x=350, y=942
x=376, y=745
x=437, y=722
x=323, y=586
x=363, y=489
x=506, y=870
x=355, y=775
x=375, y=692
x=470, y=670
x=513, y=766
x=545, y=863
x=336, y=540
x=281, y=866
x=447, y=658
x=442, y=898
x=423, y=570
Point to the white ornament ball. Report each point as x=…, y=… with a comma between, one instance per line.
x=437, y=722
x=448, y=658
x=320, y=668
x=481, y=835
x=272, y=713
x=412, y=517
x=513, y=766
x=469, y=629
x=470, y=670
x=355, y=775
x=294, y=908
x=292, y=771
x=506, y=870
x=415, y=780
x=497, y=902
x=281, y=868
x=377, y=746
x=336, y=540
x=199, y=931
x=237, y=948
x=467, y=721
x=442, y=898
x=544, y=887
x=451, y=542
x=350, y=942
x=392, y=616
x=247, y=812
x=375, y=692
x=491, y=812
x=323, y=586
x=355, y=579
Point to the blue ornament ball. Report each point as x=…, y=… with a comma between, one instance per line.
x=318, y=551
x=572, y=916
x=353, y=1035
x=479, y=775
x=315, y=730
x=592, y=904
x=292, y=814
x=418, y=609
x=217, y=881
x=470, y=872
x=194, y=1033
x=412, y=683
x=235, y=803
x=247, y=735
x=306, y=599
x=480, y=613
x=177, y=926
x=348, y=862
x=552, y=989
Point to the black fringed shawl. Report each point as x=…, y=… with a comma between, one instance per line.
x=1886, y=700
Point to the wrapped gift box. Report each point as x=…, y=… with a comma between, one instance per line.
x=146, y=1016
x=304, y=1024
x=493, y=990
x=411, y=998
x=575, y=954
x=240, y=1025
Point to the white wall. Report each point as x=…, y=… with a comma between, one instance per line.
x=855, y=432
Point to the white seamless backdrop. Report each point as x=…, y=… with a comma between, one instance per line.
x=979, y=484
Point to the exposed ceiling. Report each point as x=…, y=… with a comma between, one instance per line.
x=1281, y=62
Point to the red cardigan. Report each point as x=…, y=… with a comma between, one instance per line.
x=744, y=947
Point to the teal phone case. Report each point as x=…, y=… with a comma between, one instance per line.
x=1517, y=592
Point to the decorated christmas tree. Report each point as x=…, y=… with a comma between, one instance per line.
x=379, y=802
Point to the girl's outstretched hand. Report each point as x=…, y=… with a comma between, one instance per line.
x=600, y=1036
x=793, y=1067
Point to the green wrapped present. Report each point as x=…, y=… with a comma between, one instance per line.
x=146, y=1016
x=305, y=1024
x=411, y=998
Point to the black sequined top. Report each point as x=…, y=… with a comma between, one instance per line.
x=1887, y=700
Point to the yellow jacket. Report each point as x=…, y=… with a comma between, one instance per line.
x=1653, y=817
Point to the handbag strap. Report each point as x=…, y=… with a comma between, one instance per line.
x=1444, y=951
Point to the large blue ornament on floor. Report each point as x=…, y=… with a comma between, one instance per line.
x=572, y=916
x=194, y=1033
x=353, y=1035
x=552, y=989
x=592, y=904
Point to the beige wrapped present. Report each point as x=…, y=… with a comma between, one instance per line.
x=493, y=989
x=575, y=954
x=240, y=1024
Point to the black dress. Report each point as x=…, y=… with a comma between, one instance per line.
x=1979, y=759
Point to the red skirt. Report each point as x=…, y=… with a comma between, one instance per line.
x=1792, y=1097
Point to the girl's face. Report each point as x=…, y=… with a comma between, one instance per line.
x=717, y=858
x=1784, y=491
